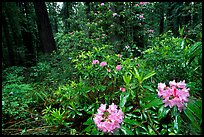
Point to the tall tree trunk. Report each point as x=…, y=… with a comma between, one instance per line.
x=169, y=16
x=161, y=23
x=44, y=27
x=8, y=42
x=28, y=38
x=67, y=7
x=14, y=31
x=55, y=18
x=88, y=9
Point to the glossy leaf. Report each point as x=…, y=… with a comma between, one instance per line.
x=123, y=99
x=154, y=102
x=195, y=109
x=163, y=111
x=131, y=122
x=126, y=131
x=149, y=75
x=149, y=88
x=89, y=121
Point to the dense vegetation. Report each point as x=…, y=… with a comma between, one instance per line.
x=93, y=68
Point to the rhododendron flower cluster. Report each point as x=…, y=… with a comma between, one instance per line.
x=107, y=120
x=103, y=63
x=118, y=67
x=120, y=56
x=175, y=95
x=95, y=62
x=114, y=14
x=141, y=16
x=143, y=3
x=122, y=89
x=109, y=70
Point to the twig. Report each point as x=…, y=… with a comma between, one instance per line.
x=152, y=126
x=140, y=124
x=18, y=123
x=13, y=129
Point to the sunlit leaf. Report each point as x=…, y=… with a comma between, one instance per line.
x=131, y=122
x=123, y=99
x=126, y=131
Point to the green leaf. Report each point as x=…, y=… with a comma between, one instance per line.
x=23, y=131
x=149, y=88
x=189, y=115
x=123, y=99
x=89, y=121
x=154, y=102
x=194, y=50
x=88, y=129
x=136, y=74
x=126, y=131
x=94, y=131
x=163, y=111
x=78, y=113
x=195, y=109
x=192, y=118
x=149, y=75
x=127, y=78
x=131, y=122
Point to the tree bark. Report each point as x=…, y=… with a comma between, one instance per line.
x=8, y=42
x=161, y=24
x=28, y=39
x=44, y=27
x=66, y=11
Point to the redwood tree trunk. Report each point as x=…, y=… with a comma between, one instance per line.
x=8, y=42
x=44, y=27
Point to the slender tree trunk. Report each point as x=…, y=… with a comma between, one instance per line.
x=8, y=42
x=169, y=17
x=88, y=10
x=28, y=39
x=53, y=12
x=67, y=7
x=161, y=24
x=44, y=28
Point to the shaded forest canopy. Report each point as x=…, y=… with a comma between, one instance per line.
x=26, y=28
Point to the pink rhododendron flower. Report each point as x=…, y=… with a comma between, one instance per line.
x=120, y=56
x=95, y=62
x=172, y=83
x=127, y=47
x=103, y=64
x=151, y=31
x=136, y=5
x=109, y=70
x=141, y=16
x=181, y=84
x=143, y=3
x=118, y=67
x=102, y=4
x=107, y=120
x=122, y=89
x=175, y=95
x=114, y=14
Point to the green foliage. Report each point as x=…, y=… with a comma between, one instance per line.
x=15, y=94
x=173, y=55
